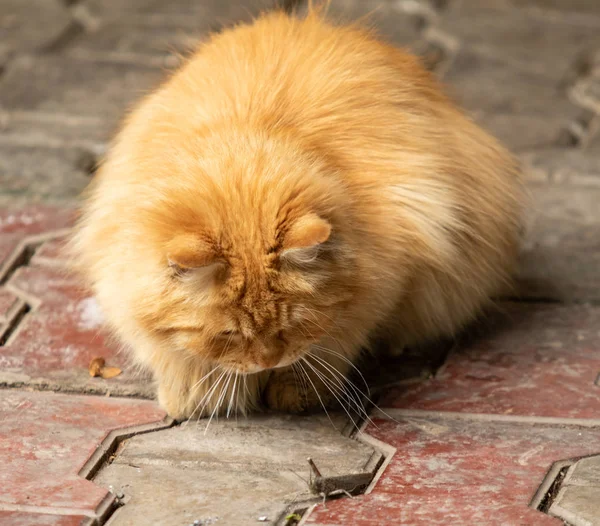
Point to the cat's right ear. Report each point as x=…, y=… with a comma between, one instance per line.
x=190, y=251
x=302, y=242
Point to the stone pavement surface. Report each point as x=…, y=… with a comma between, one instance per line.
x=502, y=429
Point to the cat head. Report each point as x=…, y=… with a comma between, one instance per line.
x=250, y=260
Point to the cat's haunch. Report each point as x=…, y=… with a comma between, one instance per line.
x=293, y=191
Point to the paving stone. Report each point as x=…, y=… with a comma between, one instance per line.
x=560, y=257
x=52, y=345
x=156, y=28
x=54, y=130
x=32, y=25
x=235, y=472
x=31, y=174
x=391, y=21
x=213, y=10
x=16, y=518
x=571, y=166
x=588, y=8
x=578, y=506
x=529, y=359
x=449, y=470
x=524, y=40
x=75, y=87
x=523, y=109
x=47, y=438
x=585, y=472
x=124, y=42
x=17, y=224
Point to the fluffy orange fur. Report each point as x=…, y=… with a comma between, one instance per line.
x=296, y=189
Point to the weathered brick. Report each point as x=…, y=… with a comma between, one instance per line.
x=561, y=256
x=46, y=438
x=522, y=108
x=31, y=25
x=575, y=166
x=32, y=174
x=201, y=17
x=524, y=40
x=263, y=458
x=388, y=18
x=588, y=8
x=449, y=470
x=75, y=87
x=56, y=130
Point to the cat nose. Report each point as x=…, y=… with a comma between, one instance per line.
x=269, y=360
x=268, y=357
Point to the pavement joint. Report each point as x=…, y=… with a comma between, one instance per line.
x=392, y=412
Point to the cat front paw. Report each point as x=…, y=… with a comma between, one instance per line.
x=176, y=405
x=283, y=393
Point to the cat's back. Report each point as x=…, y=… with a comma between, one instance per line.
x=287, y=71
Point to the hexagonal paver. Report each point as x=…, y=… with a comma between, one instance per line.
x=16, y=518
x=402, y=23
x=450, y=470
x=578, y=500
x=560, y=257
x=75, y=87
x=32, y=25
x=52, y=329
x=33, y=174
x=146, y=28
x=526, y=40
x=533, y=359
x=33, y=222
x=45, y=441
x=511, y=103
x=235, y=472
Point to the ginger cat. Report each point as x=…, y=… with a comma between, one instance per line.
x=293, y=191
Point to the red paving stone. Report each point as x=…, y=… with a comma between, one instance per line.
x=17, y=225
x=536, y=360
x=10, y=518
x=45, y=440
x=460, y=471
x=53, y=344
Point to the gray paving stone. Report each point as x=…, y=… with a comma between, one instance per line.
x=387, y=16
x=401, y=22
x=154, y=28
x=578, y=506
x=523, y=109
x=578, y=167
x=585, y=472
x=236, y=472
x=566, y=7
x=31, y=25
x=118, y=40
x=561, y=255
x=52, y=129
x=203, y=16
x=35, y=174
x=525, y=40
x=75, y=87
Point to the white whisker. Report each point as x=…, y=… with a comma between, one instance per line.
x=327, y=383
x=316, y=391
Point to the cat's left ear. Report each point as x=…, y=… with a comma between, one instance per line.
x=302, y=242
x=191, y=251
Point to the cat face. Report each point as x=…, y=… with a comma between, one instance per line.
x=251, y=275
x=261, y=303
